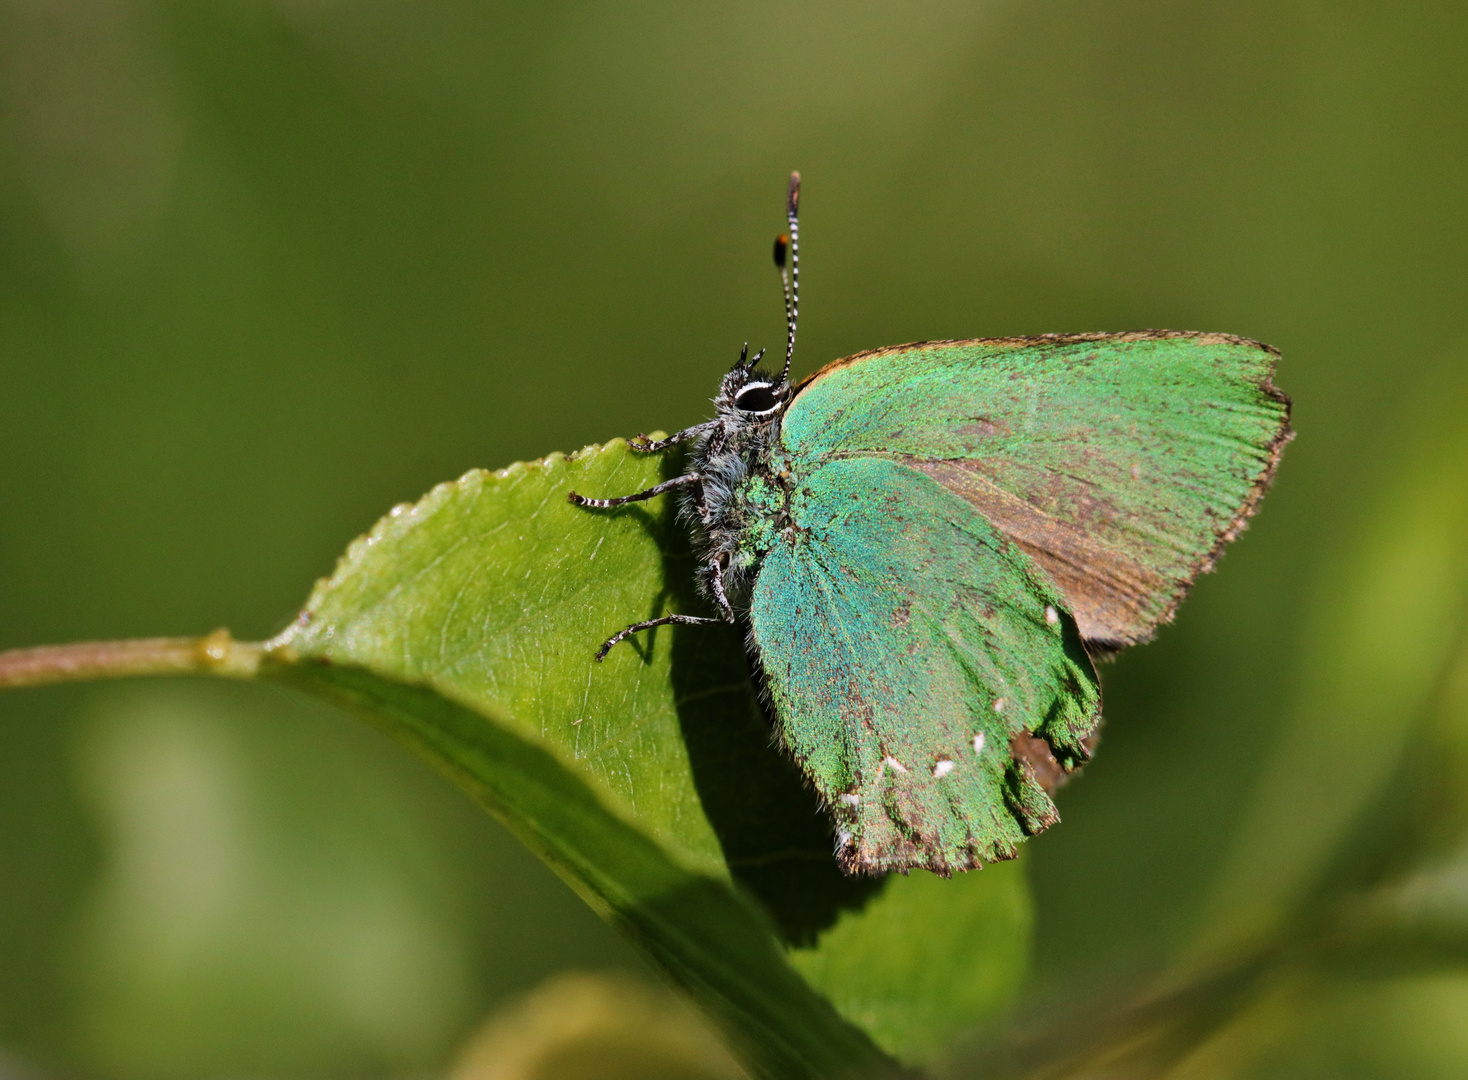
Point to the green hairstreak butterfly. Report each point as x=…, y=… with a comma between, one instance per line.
x=931, y=543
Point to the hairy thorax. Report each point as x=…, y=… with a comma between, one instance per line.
x=746, y=503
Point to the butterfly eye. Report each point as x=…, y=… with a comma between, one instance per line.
x=757, y=398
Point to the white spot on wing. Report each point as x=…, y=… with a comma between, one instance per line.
x=1051, y=615
x=851, y=800
x=999, y=704
x=893, y=764
x=943, y=768
x=979, y=743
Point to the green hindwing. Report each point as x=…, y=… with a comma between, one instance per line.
x=925, y=672
x=1121, y=463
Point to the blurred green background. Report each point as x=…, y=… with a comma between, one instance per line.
x=268, y=268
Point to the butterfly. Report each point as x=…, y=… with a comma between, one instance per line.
x=931, y=544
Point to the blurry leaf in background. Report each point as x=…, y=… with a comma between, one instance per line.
x=1424, y=910
x=1406, y=1029
x=216, y=901
x=278, y=897
x=1404, y=867
x=585, y=1026
x=1375, y=696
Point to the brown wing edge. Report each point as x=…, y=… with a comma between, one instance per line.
x=1027, y=341
x=1105, y=648
x=1030, y=781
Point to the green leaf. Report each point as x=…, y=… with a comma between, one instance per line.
x=905, y=940
x=466, y=626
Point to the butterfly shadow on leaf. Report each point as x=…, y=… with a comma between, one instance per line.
x=776, y=837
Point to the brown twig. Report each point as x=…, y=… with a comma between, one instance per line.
x=214, y=654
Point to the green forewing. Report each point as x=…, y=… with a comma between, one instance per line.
x=1122, y=463
x=910, y=650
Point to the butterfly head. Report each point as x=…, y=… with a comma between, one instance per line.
x=751, y=395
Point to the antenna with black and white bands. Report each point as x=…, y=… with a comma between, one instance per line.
x=790, y=277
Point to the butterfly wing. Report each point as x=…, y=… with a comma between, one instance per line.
x=1121, y=463
x=921, y=667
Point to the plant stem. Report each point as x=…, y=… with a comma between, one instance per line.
x=214, y=654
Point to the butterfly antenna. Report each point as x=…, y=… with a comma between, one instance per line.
x=782, y=257
x=789, y=243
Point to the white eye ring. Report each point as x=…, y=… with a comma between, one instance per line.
x=750, y=388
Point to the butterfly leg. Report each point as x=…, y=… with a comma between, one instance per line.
x=643, y=445
x=637, y=627
x=691, y=480
x=717, y=564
